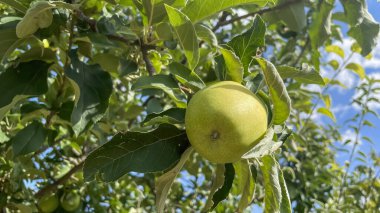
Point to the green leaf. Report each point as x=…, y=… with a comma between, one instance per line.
x=245, y=184
x=164, y=31
x=220, y=68
x=170, y=116
x=39, y=16
x=265, y=146
x=15, y=5
x=107, y=61
x=93, y=87
x=155, y=58
x=334, y=64
x=245, y=45
x=31, y=110
x=5, y=109
x=163, y=82
x=366, y=34
x=155, y=9
x=186, y=76
x=254, y=81
x=327, y=112
x=204, y=33
x=165, y=181
x=272, y=185
x=268, y=105
x=127, y=67
x=144, y=152
x=217, y=182
x=320, y=28
x=285, y=206
x=315, y=59
x=307, y=76
x=113, y=64
x=233, y=65
x=335, y=49
x=276, y=193
x=186, y=35
x=364, y=29
x=357, y=68
x=279, y=95
x=368, y=123
x=355, y=47
x=133, y=111
x=29, y=139
x=197, y=10
x=293, y=15
x=327, y=100
x=3, y=137
x=27, y=79
x=38, y=53
x=367, y=139
x=8, y=38
x=223, y=192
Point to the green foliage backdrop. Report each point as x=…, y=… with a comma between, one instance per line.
x=94, y=94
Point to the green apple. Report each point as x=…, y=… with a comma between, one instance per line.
x=48, y=203
x=70, y=200
x=225, y=120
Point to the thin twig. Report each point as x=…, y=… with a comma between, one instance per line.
x=125, y=40
x=148, y=63
x=353, y=150
x=259, y=12
x=323, y=92
x=44, y=148
x=186, y=90
x=70, y=44
x=58, y=182
x=221, y=19
x=368, y=191
x=93, y=26
x=143, y=46
x=304, y=47
x=71, y=37
x=88, y=20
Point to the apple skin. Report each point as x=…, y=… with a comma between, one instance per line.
x=70, y=201
x=225, y=120
x=48, y=203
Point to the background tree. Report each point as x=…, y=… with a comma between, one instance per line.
x=94, y=93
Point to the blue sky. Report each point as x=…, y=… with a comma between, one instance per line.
x=341, y=104
x=341, y=98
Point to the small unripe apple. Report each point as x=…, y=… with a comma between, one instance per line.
x=70, y=200
x=48, y=203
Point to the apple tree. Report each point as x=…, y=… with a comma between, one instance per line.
x=93, y=98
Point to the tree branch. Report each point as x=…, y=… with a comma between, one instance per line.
x=356, y=143
x=88, y=20
x=93, y=26
x=148, y=63
x=259, y=12
x=58, y=182
x=304, y=47
x=221, y=19
x=144, y=47
x=326, y=88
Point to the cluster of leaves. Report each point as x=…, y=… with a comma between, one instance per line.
x=103, y=86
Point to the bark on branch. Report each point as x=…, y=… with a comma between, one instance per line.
x=148, y=63
x=60, y=181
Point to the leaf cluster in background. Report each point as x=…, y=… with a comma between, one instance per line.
x=94, y=96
